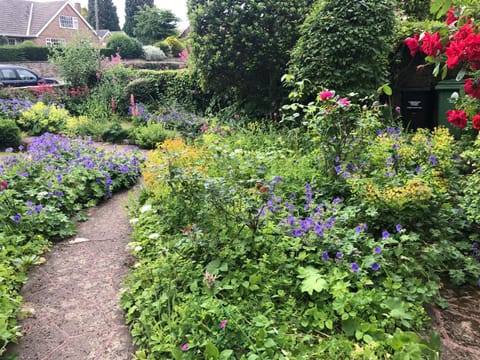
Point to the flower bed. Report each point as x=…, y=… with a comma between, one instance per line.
x=40, y=190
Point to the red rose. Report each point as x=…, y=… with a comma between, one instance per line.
x=431, y=44
x=457, y=118
x=412, y=44
x=472, y=88
x=451, y=18
x=476, y=122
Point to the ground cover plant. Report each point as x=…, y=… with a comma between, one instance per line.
x=41, y=189
x=268, y=243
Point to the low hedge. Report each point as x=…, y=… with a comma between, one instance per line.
x=24, y=53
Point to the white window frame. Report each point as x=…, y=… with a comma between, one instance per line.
x=68, y=22
x=12, y=41
x=54, y=41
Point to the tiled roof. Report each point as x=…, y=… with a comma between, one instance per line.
x=26, y=18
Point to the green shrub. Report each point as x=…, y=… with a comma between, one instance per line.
x=127, y=47
x=149, y=136
x=415, y=9
x=24, y=52
x=85, y=126
x=107, y=52
x=41, y=118
x=181, y=87
x=145, y=90
x=153, y=53
x=164, y=46
x=344, y=50
x=77, y=63
x=9, y=134
x=175, y=45
x=114, y=134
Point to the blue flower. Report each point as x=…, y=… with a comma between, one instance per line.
x=325, y=256
x=338, y=255
x=378, y=249
x=398, y=227
x=17, y=218
x=433, y=160
x=354, y=266
x=375, y=266
x=385, y=234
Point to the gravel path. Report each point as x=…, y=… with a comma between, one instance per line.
x=73, y=298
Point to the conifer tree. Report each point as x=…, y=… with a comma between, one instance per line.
x=107, y=15
x=131, y=9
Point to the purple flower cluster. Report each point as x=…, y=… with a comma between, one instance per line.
x=14, y=107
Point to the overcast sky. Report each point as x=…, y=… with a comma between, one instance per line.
x=179, y=8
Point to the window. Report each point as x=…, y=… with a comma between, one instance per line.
x=26, y=75
x=69, y=22
x=54, y=41
x=7, y=74
x=12, y=41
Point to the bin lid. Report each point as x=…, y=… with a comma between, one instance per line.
x=415, y=89
x=449, y=85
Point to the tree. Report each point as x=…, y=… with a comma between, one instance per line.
x=107, y=15
x=153, y=24
x=131, y=9
x=344, y=47
x=242, y=47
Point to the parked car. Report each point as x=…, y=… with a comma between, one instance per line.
x=12, y=75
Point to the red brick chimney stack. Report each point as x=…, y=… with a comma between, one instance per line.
x=78, y=7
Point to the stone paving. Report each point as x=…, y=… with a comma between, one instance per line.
x=72, y=299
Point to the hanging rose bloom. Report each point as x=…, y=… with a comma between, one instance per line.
x=431, y=44
x=476, y=122
x=455, y=53
x=412, y=44
x=326, y=95
x=450, y=16
x=344, y=102
x=457, y=118
x=472, y=88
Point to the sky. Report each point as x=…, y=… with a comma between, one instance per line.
x=179, y=8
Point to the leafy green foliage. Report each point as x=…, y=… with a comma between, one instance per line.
x=77, y=63
x=127, y=47
x=153, y=53
x=41, y=118
x=10, y=135
x=131, y=9
x=415, y=9
x=175, y=45
x=241, y=50
x=115, y=134
x=152, y=134
x=153, y=24
x=344, y=45
x=107, y=15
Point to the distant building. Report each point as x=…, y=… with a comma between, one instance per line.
x=44, y=23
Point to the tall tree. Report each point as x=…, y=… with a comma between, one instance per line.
x=153, y=24
x=242, y=47
x=107, y=15
x=131, y=9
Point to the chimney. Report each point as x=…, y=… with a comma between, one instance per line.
x=78, y=7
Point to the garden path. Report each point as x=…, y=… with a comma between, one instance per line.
x=72, y=299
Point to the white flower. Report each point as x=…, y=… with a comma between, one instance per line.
x=133, y=221
x=138, y=248
x=154, y=236
x=145, y=208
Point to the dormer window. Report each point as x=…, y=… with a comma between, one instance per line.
x=68, y=22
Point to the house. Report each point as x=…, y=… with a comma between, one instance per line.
x=44, y=23
x=103, y=36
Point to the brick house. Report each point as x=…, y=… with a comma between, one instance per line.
x=44, y=23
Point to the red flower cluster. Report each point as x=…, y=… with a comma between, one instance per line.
x=78, y=91
x=472, y=88
x=457, y=118
x=476, y=122
x=3, y=185
x=464, y=47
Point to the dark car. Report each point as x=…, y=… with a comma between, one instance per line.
x=12, y=75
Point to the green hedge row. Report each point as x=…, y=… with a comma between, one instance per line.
x=34, y=53
x=167, y=86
